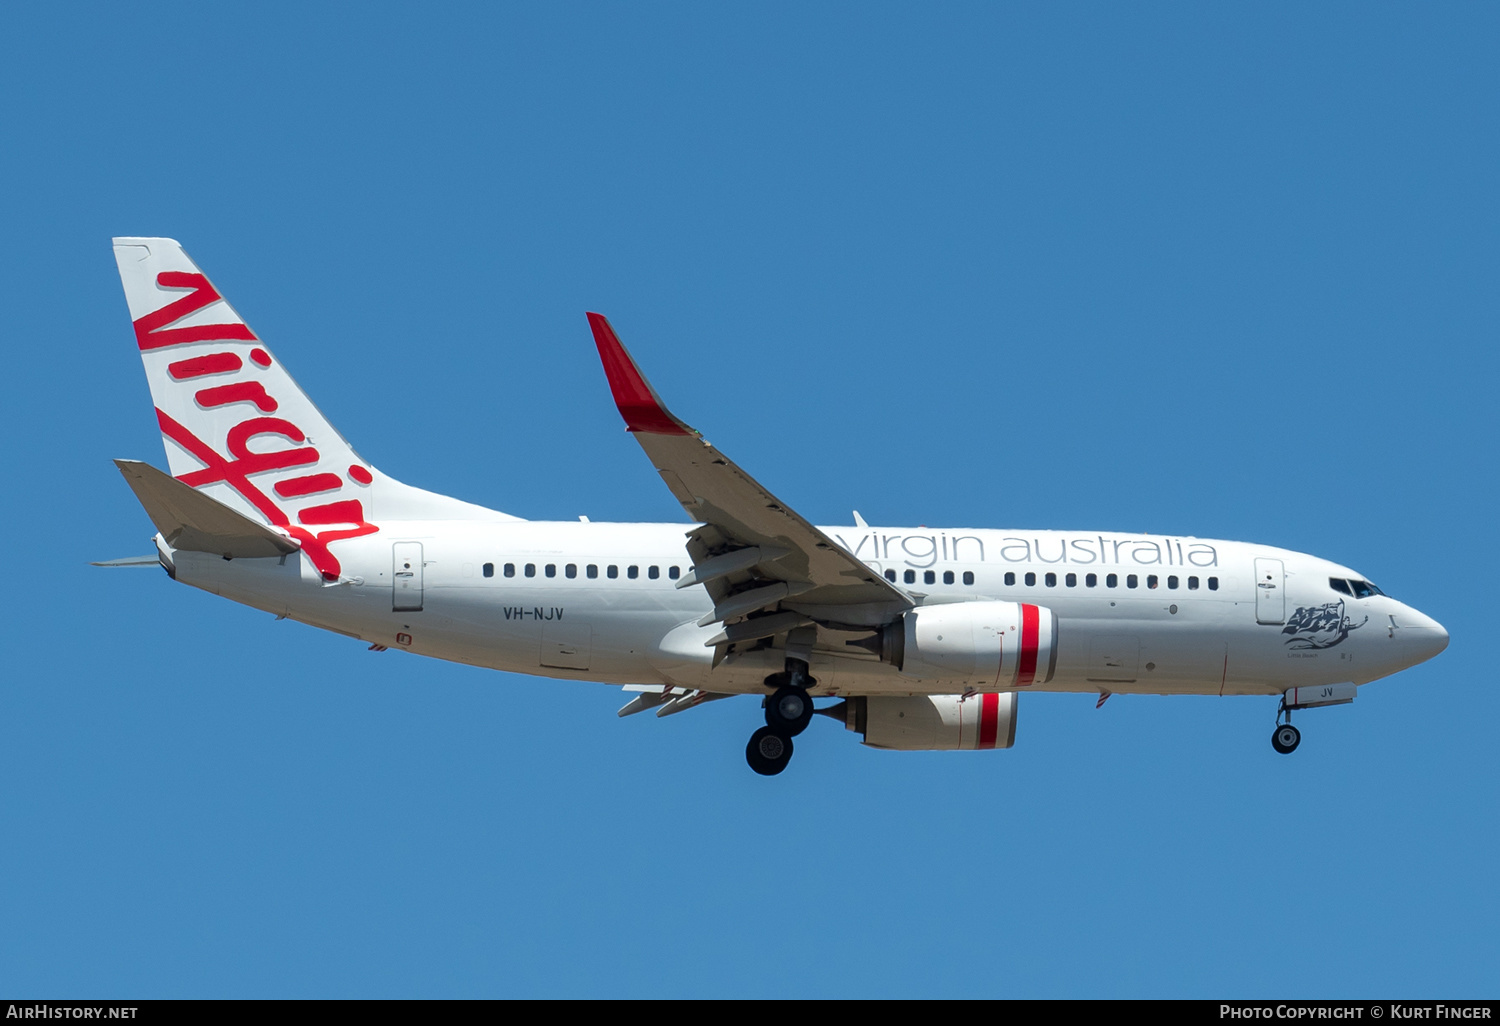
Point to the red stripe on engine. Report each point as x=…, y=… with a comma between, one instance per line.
x=989, y=720
x=1030, y=624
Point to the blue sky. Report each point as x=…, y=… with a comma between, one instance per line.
x=1221, y=270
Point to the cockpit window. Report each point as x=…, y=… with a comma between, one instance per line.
x=1364, y=589
x=1340, y=585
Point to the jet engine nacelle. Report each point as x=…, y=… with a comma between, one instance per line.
x=934, y=723
x=982, y=645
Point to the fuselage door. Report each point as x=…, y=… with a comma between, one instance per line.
x=1270, y=591
x=407, y=588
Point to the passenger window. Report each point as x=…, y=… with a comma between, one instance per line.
x=1091, y=580
x=489, y=569
x=551, y=569
x=591, y=571
x=1213, y=584
x=1010, y=580
x=1362, y=589
x=632, y=572
x=1112, y=581
x=947, y=576
x=674, y=572
x=530, y=569
x=1031, y=580
x=1192, y=584
x=910, y=577
x=1051, y=580
x=510, y=569
x=571, y=570
x=928, y=577
x=890, y=575
x=653, y=572
x=611, y=571
x=1172, y=583
x=1340, y=585
x=968, y=577
x=1151, y=580
x=1071, y=580
x=1131, y=580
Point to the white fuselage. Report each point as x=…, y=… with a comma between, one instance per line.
x=1161, y=615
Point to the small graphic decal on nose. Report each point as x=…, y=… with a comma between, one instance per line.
x=1320, y=626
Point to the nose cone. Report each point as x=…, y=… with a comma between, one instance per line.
x=1420, y=635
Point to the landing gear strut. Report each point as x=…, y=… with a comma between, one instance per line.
x=789, y=710
x=1285, y=738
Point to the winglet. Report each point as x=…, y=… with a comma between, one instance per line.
x=637, y=401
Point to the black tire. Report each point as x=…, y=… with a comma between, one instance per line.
x=1285, y=738
x=789, y=711
x=768, y=752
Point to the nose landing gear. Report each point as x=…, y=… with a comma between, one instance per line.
x=788, y=712
x=1285, y=738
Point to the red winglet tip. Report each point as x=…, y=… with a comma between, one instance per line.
x=636, y=400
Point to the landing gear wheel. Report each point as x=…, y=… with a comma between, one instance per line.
x=789, y=711
x=1285, y=738
x=768, y=752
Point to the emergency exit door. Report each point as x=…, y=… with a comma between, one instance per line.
x=1270, y=591
x=407, y=583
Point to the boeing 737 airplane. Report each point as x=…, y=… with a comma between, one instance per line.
x=925, y=637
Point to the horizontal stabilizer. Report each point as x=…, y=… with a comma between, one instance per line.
x=151, y=560
x=189, y=519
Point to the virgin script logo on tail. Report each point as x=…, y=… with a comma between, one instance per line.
x=235, y=378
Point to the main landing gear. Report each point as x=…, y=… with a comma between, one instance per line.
x=789, y=710
x=1285, y=738
x=768, y=752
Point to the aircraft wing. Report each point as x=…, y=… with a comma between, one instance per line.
x=767, y=569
